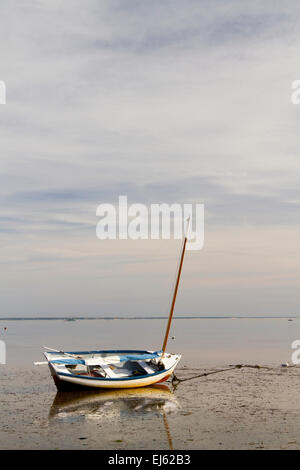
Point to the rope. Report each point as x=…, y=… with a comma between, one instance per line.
x=176, y=380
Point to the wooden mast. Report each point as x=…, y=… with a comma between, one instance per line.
x=175, y=292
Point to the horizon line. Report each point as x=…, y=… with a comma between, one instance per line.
x=134, y=317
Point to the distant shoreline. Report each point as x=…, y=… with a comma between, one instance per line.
x=179, y=317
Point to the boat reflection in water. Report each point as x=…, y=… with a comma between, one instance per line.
x=157, y=400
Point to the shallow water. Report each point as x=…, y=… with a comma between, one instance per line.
x=227, y=410
x=202, y=342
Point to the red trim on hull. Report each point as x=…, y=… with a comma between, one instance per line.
x=164, y=379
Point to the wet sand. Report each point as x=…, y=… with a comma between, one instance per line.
x=240, y=409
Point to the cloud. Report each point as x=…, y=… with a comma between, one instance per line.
x=160, y=101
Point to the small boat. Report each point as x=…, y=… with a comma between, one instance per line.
x=109, y=369
x=116, y=369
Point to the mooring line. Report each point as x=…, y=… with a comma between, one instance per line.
x=176, y=380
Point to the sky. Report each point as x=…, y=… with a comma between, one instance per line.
x=162, y=101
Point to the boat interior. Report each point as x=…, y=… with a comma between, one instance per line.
x=106, y=365
x=127, y=369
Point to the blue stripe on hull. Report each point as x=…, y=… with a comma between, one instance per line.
x=114, y=379
x=112, y=351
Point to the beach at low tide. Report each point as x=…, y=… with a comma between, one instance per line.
x=244, y=408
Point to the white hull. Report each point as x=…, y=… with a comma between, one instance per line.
x=64, y=378
x=115, y=383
